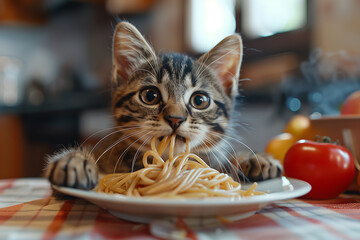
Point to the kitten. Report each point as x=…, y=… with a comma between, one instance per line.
x=159, y=96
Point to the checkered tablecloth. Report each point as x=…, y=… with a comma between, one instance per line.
x=28, y=211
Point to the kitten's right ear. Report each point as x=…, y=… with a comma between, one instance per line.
x=129, y=50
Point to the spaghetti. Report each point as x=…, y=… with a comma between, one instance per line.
x=185, y=175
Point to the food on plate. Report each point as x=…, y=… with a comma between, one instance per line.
x=351, y=106
x=329, y=168
x=184, y=175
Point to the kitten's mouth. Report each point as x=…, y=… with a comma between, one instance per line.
x=180, y=138
x=177, y=139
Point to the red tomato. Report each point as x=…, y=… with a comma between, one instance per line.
x=329, y=168
x=351, y=104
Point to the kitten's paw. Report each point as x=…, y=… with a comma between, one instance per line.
x=261, y=166
x=74, y=169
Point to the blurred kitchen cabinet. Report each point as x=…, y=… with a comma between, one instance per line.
x=11, y=147
x=22, y=11
x=269, y=71
x=129, y=7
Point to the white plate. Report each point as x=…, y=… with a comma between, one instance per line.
x=146, y=210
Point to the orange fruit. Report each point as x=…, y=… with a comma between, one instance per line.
x=279, y=145
x=300, y=127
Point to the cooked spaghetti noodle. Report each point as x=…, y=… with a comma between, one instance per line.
x=185, y=175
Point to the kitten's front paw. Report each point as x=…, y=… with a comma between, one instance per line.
x=74, y=169
x=260, y=166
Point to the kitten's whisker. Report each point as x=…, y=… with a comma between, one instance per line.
x=117, y=142
x=234, y=156
x=112, y=133
x=245, y=127
x=220, y=163
x=216, y=145
x=103, y=130
x=203, y=145
x=138, y=151
x=230, y=165
x=246, y=146
x=125, y=151
x=228, y=143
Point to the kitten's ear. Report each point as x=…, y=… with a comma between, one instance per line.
x=225, y=59
x=129, y=50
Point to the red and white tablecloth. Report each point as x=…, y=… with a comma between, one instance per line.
x=28, y=211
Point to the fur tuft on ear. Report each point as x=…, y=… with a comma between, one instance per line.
x=130, y=49
x=225, y=59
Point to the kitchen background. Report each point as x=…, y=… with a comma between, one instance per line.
x=300, y=56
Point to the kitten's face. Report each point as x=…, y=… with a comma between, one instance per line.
x=160, y=96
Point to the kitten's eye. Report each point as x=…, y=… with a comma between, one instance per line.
x=200, y=100
x=150, y=96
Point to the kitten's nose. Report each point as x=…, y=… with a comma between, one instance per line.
x=174, y=121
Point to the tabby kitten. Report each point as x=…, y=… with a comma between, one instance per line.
x=160, y=96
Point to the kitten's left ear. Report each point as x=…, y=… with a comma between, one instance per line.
x=129, y=50
x=225, y=59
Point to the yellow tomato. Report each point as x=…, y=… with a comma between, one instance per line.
x=279, y=145
x=300, y=127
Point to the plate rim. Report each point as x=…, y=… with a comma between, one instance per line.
x=300, y=188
